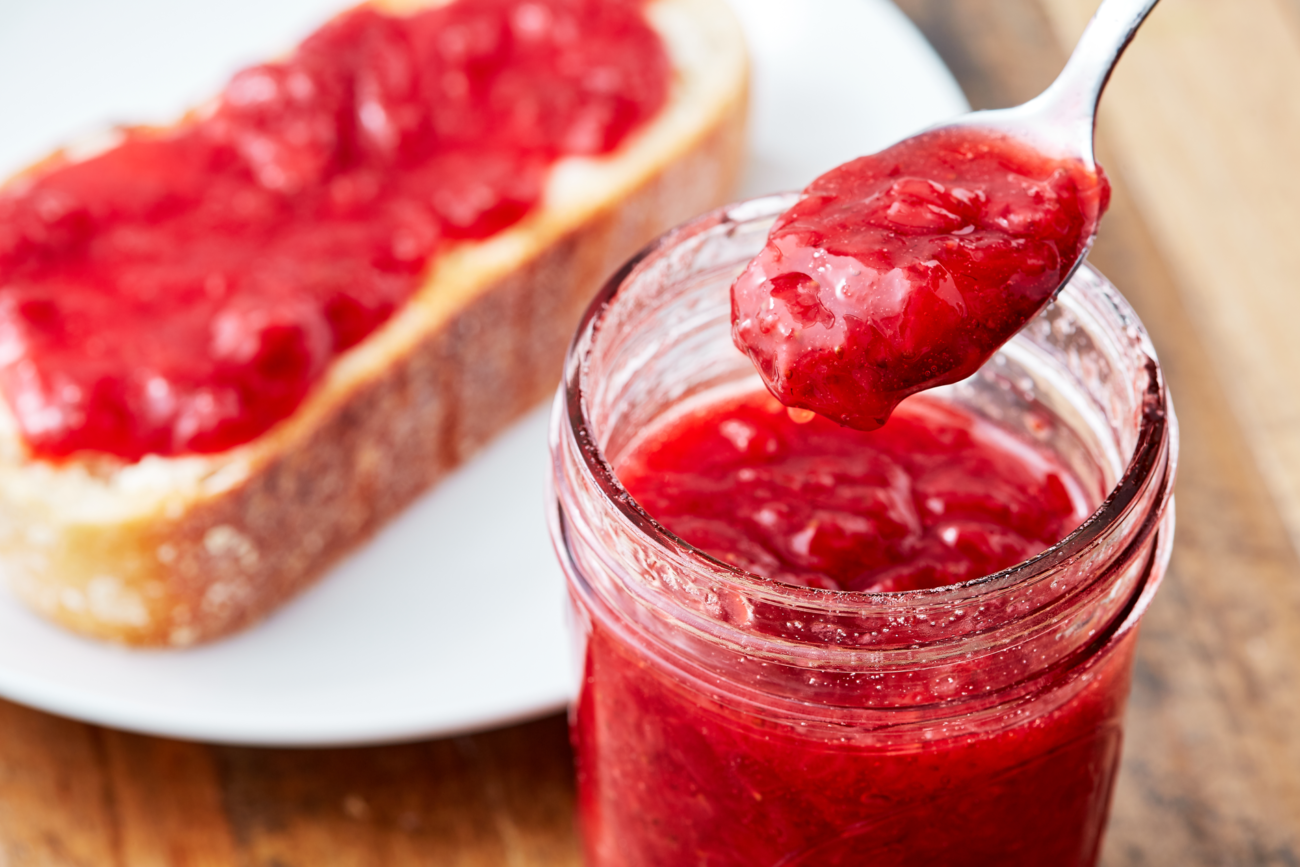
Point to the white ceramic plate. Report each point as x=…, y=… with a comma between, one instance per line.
x=453, y=618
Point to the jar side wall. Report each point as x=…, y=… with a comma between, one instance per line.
x=978, y=723
x=1032, y=788
x=1034, y=792
x=967, y=691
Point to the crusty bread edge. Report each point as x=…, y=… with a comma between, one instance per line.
x=179, y=551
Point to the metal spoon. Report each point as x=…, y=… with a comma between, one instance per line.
x=793, y=351
x=1061, y=120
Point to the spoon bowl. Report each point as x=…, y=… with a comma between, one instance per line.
x=907, y=269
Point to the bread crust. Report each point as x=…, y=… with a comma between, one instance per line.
x=184, y=550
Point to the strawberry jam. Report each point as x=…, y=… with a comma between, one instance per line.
x=183, y=291
x=907, y=269
x=671, y=772
x=935, y=497
x=674, y=770
x=805, y=645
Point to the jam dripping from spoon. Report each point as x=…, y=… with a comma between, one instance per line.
x=907, y=269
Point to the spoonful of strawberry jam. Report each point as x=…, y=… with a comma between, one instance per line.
x=907, y=269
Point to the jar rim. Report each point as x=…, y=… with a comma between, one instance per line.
x=1156, y=433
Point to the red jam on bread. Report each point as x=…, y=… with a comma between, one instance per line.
x=907, y=269
x=182, y=292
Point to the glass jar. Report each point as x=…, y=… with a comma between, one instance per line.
x=725, y=719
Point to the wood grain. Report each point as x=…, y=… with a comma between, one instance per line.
x=501, y=798
x=76, y=795
x=1204, y=118
x=167, y=802
x=56, y=805
x=1211, y=771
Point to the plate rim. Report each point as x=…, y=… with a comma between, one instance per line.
x=28, y=687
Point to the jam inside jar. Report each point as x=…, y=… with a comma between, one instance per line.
x=723, y=718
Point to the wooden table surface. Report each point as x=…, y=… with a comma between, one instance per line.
x=1201, y=134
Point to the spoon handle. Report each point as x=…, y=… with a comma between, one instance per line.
x=1072, y=98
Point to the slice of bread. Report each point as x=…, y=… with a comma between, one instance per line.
x=173, y=551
